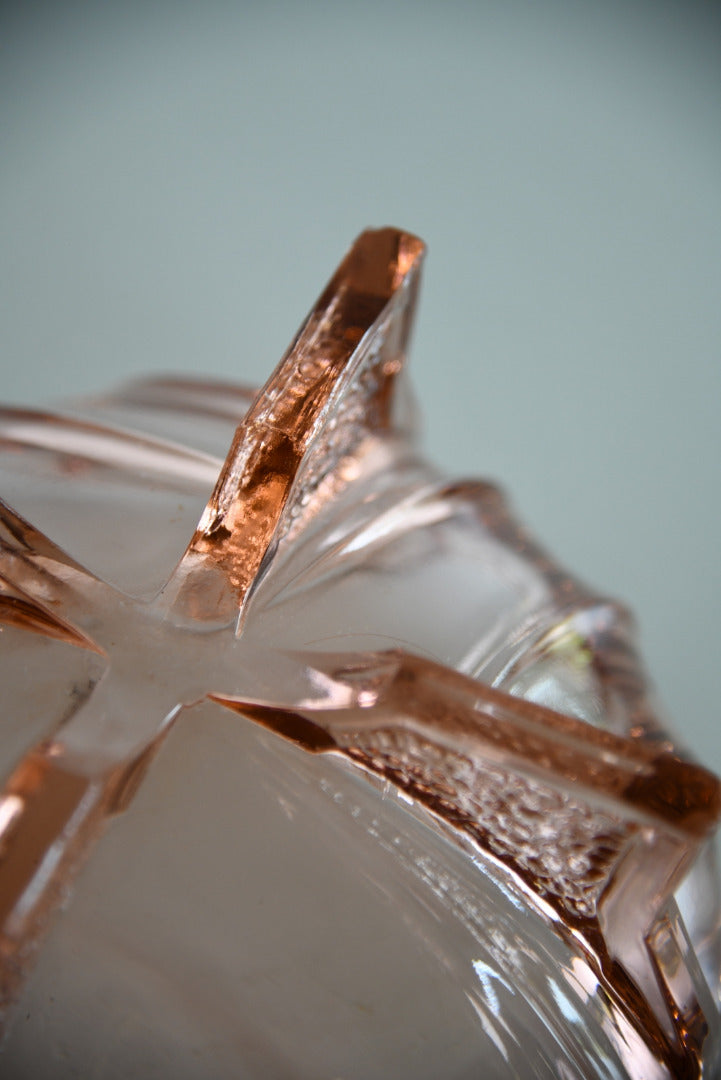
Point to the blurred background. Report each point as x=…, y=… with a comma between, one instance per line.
x=177, y=181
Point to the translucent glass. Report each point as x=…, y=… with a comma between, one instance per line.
x=314, y=763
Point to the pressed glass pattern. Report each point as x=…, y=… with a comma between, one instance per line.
x=315, y=764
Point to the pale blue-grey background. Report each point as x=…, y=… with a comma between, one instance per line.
x=177, y=181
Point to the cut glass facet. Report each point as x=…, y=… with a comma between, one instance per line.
x=314, y=763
